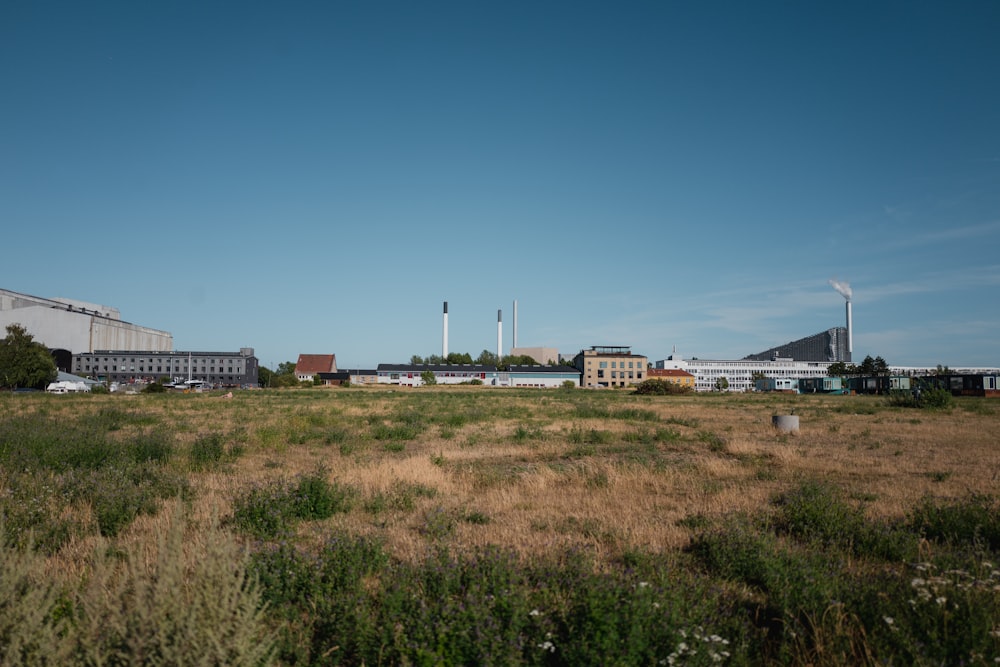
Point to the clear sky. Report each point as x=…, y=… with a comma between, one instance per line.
x=318, y=177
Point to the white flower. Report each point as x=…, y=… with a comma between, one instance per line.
x=940, y=599
x=888, y=620
x=643, y=584
x=534, y=612
x=547, y=646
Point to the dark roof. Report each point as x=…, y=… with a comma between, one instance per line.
x=436, y=368
x=361, y=371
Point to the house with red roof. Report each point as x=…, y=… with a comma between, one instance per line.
x=310, y=365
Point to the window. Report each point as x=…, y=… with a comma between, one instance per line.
x=604, y=364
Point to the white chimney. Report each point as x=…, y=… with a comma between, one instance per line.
x=850, y=330
x=499, y=335
x=444, y=341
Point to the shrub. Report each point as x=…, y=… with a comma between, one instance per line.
x=207, y=451
x=30, y=630
x=268, y=511
x=657, y=387
x=199, y=607
x=976, y=517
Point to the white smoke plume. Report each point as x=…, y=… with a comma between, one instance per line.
x=842, y=287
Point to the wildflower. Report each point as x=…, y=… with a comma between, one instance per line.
x=940, y=599
x=547, y=646
x=643, y=584
x=534, y=612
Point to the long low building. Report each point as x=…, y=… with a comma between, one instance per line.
x=741, y=374
x=224, y=369
x=412, y=375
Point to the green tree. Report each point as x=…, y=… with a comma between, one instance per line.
x=880, y=366
x=487, y=358
x=416, y=360
x=427, y=377
x=867, y=366
x=837, y=369
x=24, y=362
x=286, y=368
x=721, y=383
x=264, y=376
x=459, y=358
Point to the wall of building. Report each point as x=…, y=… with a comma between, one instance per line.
x=740, y=374
x=78, y=326
x=829, y=345
x=600, y=368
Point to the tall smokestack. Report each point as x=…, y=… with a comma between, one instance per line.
x=850, y=330
x=499, y=335
x=845, y=291
x=444, y=340
x=515, y=326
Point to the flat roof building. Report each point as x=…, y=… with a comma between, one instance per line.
x=223, y=369
x=610, y=366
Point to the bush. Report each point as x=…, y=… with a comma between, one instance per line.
x=268, y=511
x=974, y=518
x=934, y=398
x=186, y=608
x=657, y=387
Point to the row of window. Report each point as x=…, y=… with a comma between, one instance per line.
x=149, y=369
x=135, y=360
x=620, y=374
x=620, y=364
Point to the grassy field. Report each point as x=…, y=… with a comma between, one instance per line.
x=479, y=526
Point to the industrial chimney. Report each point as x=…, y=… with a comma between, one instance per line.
x=850, y=330
x=444, y=341
x=844, y=289
x=499, y=335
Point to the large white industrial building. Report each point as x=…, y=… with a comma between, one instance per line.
x=741, y=374
x=77, y=326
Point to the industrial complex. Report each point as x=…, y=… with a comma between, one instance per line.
x=92, y=341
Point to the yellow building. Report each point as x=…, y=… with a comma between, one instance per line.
x=610, y=366
x=675, y=375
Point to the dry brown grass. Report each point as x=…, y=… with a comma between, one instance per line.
x=524, y=471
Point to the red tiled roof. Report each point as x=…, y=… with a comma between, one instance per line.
x=316, y=363
x=668, y=373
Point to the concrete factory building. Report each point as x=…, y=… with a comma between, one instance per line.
x=830, y=345
x=225, y=369
x=69, y=327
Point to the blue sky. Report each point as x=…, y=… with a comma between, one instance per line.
x=316, y=177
